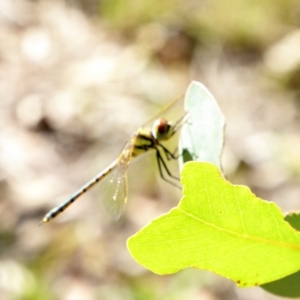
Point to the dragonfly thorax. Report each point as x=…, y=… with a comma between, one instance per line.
x=162, y=129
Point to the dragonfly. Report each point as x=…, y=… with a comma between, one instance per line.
x=143, y=140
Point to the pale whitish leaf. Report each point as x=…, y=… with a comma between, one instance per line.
x=202, y=136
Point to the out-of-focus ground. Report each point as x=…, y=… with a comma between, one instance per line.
x=77, y=77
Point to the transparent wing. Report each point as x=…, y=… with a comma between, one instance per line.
x=114, y=192
x=114, y=187
x=167, y=111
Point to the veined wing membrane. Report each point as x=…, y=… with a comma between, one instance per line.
x=113, y=191
x=114, y=188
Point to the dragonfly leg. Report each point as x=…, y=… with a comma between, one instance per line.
x=171, y=155
x=161, y=163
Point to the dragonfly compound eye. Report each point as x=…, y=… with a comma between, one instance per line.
x=162, y=129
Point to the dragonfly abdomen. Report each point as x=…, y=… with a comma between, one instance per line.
x=59, y=209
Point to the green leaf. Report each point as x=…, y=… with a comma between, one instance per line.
x=202, y=136
x=219, y=227
x=294, y=219
x=288, y=286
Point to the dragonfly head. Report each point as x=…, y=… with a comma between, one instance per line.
x=162, y=129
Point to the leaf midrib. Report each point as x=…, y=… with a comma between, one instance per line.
x=245, y=236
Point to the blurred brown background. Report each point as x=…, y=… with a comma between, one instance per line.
x=78, y=77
